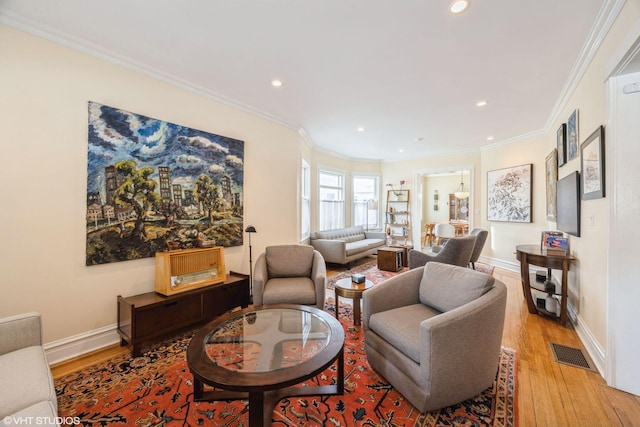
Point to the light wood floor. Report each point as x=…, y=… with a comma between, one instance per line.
x=549, y=393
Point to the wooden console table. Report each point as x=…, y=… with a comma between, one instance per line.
x=533, y=254
x=146, y=317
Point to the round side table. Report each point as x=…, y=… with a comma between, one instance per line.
x=346, y=288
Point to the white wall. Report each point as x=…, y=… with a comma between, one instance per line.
x=45, y=89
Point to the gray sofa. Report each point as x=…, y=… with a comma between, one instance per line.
x=343, y=245
x=435, y=333
x=25, y=378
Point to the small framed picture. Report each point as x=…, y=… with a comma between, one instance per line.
x=572, y=136
x=592, y=153
x=551, y=171
x=562, y=144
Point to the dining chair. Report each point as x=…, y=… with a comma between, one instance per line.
x=444, y=231
x=428, y=234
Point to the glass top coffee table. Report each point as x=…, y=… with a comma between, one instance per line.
x=261, y=353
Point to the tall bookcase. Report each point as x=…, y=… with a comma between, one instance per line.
x=397, y=216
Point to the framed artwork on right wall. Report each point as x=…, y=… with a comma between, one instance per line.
x=562, y=144
x=592, y=151
x=572, y=136
x=551, y=172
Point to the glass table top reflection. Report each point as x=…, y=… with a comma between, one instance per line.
x=267, y=340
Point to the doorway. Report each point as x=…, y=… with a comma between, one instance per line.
x=435, y=201
x=623, y=133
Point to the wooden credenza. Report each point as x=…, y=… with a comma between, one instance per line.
x=150, y=316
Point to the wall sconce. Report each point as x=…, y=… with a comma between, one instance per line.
x=435, y=200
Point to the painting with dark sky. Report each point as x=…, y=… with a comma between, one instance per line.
x=154, y=185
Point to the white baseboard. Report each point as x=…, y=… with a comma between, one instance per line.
x=507, y=265
x=595, y=350
x=77, y=345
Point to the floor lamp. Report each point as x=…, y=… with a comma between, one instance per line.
x=250, y=229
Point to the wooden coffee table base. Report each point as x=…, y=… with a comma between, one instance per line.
x=272, y=378
x=262, y=403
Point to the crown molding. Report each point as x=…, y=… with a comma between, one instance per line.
x=625, y=55
x=83, y=46
x=603, y=23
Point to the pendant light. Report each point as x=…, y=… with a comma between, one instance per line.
x=461, y=192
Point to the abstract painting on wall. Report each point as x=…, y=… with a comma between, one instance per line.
x=154, y=185
x=509, y=194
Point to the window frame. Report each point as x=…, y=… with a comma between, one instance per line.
x=376, y=197
x=322, y=203
x=305, y=200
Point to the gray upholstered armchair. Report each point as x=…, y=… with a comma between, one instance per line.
x=481, y=238
x=293, y=274
x=435, y=333
x=456, y=252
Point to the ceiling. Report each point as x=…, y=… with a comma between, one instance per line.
x=409, y=72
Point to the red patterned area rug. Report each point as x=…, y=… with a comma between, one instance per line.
x=156, y=389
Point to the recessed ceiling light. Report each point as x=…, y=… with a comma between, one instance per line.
x=490, y=138
x=458, y=6
x=481, y=103
x=276, y=83
x=360, y=129
x=401, y=150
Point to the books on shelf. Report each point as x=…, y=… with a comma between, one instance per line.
x=554, y=243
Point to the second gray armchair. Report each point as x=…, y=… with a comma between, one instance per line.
x=290, y=274
x=481, y=238
x=456, y=252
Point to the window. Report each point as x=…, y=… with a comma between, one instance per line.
x=365, y=201
x=331, y=198
x=305, y=201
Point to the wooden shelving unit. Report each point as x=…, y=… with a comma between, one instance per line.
x=397, y=216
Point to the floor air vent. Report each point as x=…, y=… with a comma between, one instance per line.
x=571, y=356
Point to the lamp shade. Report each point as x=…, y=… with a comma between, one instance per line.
x=250, y=229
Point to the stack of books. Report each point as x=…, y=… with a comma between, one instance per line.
x=554, y=243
